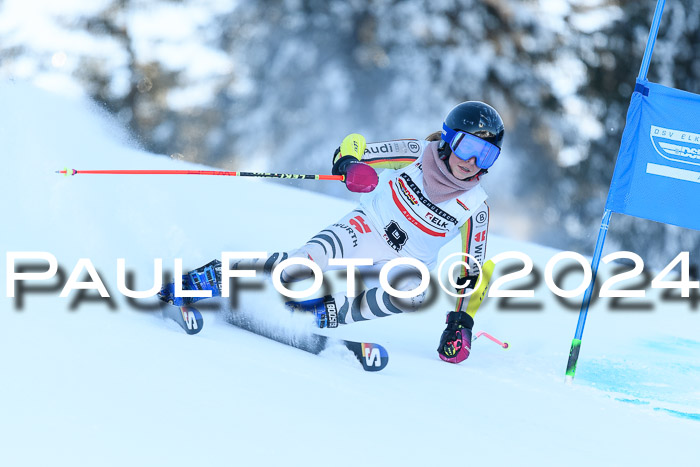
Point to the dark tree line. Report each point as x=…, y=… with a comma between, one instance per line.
x=276, y=84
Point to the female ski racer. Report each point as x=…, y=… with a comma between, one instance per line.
x=427, y=194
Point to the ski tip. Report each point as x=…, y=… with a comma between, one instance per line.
x=373, y=357
x=187, y=317
x=192, y=321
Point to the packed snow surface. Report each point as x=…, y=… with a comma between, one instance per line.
x=90, y=381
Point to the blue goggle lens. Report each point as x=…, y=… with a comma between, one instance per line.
x=465, y=146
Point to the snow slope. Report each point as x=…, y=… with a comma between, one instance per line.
x=86, y=383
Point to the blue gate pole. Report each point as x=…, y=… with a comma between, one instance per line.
x=576, y=343
x=651, y=40
x=605, y=223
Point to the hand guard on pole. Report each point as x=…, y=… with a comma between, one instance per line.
x=359, y=177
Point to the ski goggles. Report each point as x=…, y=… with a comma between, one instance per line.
x=465, y=146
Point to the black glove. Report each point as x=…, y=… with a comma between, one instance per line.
x=456, y=339
x=340, y=166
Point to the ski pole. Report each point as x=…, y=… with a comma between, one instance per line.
x=505, y=345
x=67, y=172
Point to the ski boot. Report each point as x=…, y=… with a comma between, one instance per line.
x=324, y=310
x=456, y=340
x=208, y=277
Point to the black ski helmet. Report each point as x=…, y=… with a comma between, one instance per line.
x=478, y=119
